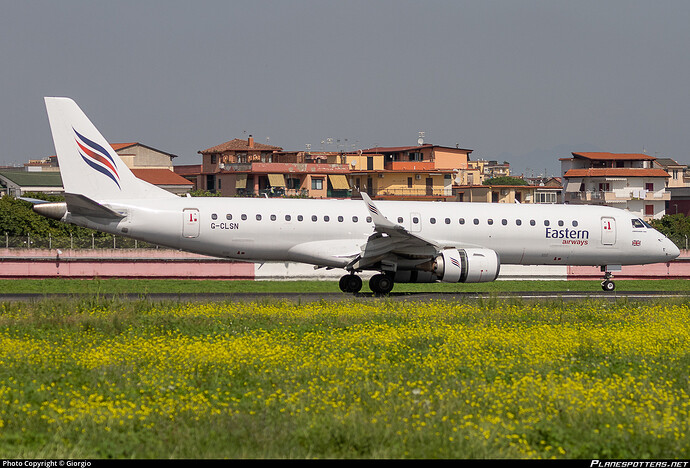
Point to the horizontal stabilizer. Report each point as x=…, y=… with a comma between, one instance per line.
x=33, y=201
x=84, y=206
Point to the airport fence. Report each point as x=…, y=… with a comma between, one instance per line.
x=100, y=241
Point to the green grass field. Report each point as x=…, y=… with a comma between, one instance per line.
x=101, y=378
x=137, y=286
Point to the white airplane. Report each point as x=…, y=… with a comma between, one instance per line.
x=403, y=241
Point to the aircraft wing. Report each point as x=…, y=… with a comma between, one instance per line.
x=391, y=238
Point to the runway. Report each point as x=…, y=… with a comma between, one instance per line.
x=361, y=297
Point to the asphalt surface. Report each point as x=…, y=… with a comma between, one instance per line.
x=339, y=297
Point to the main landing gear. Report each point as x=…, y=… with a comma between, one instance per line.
x=350, y=283
x=380, y=283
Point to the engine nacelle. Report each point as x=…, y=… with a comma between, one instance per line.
x=467, y=266
x=455, y=266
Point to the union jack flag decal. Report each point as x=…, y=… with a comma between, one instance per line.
x=97, y=157
x=636, y=243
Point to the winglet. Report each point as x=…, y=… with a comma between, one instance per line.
x=380, y=221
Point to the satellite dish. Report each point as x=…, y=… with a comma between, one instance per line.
x=420, y=141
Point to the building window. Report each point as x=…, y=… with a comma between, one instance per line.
x=649, y=186
x=649, y=210
x=542, y=197
x=317, y=183
x=409, y=182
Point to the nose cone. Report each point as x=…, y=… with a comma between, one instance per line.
x=671, y=250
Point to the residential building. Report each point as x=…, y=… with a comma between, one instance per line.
x=248, y=168
x=627, y=181
x=679, y=176
x=493, y=169
x=548, y=189
x=422, y=172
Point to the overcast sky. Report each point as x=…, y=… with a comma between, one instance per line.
x=527, y=81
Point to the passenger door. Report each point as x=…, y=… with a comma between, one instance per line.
x=190, y=223
x=608, y=231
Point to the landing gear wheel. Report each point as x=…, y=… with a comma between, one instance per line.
x=350, y=283
x=381, y=284
x=608, y=285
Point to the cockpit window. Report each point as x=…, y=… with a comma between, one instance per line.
x=637, y=223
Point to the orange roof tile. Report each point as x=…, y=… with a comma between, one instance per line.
x=239, y=145
x=160, y=177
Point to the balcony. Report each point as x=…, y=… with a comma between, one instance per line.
x=596, y=196
x=410, y=166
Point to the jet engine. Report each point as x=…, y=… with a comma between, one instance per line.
x=455, y=266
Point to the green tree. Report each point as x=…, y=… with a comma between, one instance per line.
x=506, y=180
x=17, y=218
x=674, y=226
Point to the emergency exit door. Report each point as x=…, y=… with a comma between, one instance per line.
x=608, y=231
x=190, y=222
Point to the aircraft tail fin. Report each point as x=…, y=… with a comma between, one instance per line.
x=88, y=164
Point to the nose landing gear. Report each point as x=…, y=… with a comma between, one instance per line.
x=608, y=285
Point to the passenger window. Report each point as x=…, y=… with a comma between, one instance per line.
x=490, y=221
x=546, y=222
x=532, y=222
x=504, y=222
x=228, y=217
x=340, y=219
x=400, y=220
x=273, y=217
x=415, y=220
x=368, y=219
x=560, y=223
x=244, y=217
x=574, y=223
x=432, y=220
x=314, y=218
x=447, y=220
x=462, y=220
x=518, y=222
x=476, y=221
x=258, y=217
x=327, y=218
x=355, y=219
x=300, y=217
x=214, y=216
x=288, y=217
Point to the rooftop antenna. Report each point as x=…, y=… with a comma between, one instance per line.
x=420, y=140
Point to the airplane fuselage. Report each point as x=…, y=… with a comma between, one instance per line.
x=329, y=232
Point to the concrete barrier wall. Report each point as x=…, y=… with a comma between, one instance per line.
x=162, y=263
